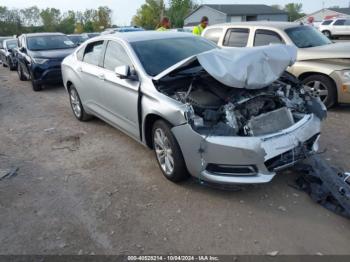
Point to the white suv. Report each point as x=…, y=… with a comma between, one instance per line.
x=335, y=27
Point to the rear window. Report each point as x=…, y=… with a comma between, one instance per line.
x=327, y=22
x=236, y=37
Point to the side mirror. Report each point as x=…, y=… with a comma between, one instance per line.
x=10, y=51
x=123, y=71
x=23, y=49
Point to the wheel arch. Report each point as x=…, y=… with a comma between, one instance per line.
x=149, y=121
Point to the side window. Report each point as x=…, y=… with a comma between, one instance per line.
x=115, y=56
x=236, y=37
x=80, y=54
x=347, y=22
x=266, y=37
x=340, y=22
x=327, y=22
x=93, y=53
x=213, y=34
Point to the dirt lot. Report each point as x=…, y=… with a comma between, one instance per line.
x=86, y=188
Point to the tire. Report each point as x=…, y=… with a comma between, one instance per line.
x=172, y=164
x=324, y=87
x=327, y=34
x=12, y=68
x=36, y=87
x=76, y=105
x=20, y=73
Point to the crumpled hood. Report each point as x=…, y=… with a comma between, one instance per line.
x=335, y=50
x=251, y=68
x=53, y=54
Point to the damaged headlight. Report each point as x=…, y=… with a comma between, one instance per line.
x=40, y=61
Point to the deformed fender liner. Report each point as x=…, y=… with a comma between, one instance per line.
x=326, y=185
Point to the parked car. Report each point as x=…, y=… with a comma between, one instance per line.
x=39, y=57
x=335, y=27
x=322, y=65
x=122, y=30
x=87, y=36
x=77, y=39
x=164, y=90
x=7, y=54
x=2, y=39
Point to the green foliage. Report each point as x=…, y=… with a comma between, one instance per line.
x=294, y=11
x=149, y=15
x=178, y=10
x=32, y=19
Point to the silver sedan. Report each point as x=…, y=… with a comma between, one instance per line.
x=156, y=88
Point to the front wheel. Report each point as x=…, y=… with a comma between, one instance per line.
x=327, y=34
x=20, y=72
x=168, y=152
x=323, y=87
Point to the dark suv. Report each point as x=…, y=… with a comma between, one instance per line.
x=40, y=55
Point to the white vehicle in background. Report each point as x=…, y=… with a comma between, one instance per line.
x=335, y=27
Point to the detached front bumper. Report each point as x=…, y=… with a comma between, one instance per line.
x=246, y=160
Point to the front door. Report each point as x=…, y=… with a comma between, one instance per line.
x=119, y=97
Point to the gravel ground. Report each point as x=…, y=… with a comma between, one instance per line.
x=86, y=188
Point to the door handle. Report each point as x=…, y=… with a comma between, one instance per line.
x=101, y=77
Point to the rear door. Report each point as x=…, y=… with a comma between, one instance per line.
x=347, y=27
x=91, y=74
x=339, y=27
x=119, y=96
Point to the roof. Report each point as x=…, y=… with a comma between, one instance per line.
x=42, y=34
x=144, y=36
x=243, y=9
x=341, y=10
x=271, y=24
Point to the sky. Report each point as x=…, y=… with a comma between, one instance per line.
x=123, y=10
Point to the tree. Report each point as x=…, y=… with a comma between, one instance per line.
x=178, y=10
x=294, y=11
x=30, y=16
x=149, y=15
x=10, y=21
x=104, y=18
x=67, y=24
x=51, y=17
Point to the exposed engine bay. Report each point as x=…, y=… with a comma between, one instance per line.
x=216, y=109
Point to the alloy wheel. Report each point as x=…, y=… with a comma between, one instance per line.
x=318, y=89
x=75, y=101
x=163, y=151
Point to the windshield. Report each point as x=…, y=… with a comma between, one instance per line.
x=76, y=39
x=11, y=44
x=307, y=36
x=158, y=55
x=49, y=42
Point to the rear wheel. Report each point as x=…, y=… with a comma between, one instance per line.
x=168, y=152
x=323, y=87
x=76, y=105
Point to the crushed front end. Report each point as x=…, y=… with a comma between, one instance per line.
x=243, y=135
